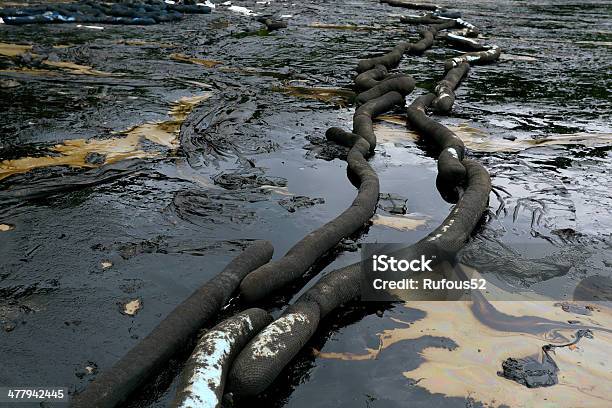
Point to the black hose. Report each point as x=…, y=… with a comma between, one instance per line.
x=203, y=379
x=370, y=78
x=403, y=85
x=450, y=169
x=426, y=19
x=279, y=273
x=362, y=119
x=461, y=42
x=276, y=274
x=424, y=43
x=439, y=23
x=263, y=359
x=471, y=29
x=259, y=363
x=445, y=89
x=474, y=58
x=341, y=137
x=389, y=60
x=113, y=386
x=265, y=356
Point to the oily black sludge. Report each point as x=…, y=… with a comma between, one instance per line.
x=112, y=387
x=128, y=13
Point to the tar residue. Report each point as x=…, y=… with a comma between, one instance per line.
x=538, y=371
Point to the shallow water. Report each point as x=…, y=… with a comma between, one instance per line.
x=166, y=224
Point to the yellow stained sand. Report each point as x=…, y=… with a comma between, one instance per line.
x=478, y=140
x=387, y=132
x=77, y=69
x=14, y=50
x=161, y=133
x=74, y=152
x=166, y=133
x=127, y=146
x=391, y=128
x=483, y=343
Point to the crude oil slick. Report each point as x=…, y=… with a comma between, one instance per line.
x=93, y=101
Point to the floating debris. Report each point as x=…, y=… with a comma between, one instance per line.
x=6, y=227
x=277, y=190
x=400, y=223
x=90, y=369
x=106, y=264
x=132, y=307
x=534, y=372
x=272, y=24
x=531, y=372
x=9, y=327
x=242, y=10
